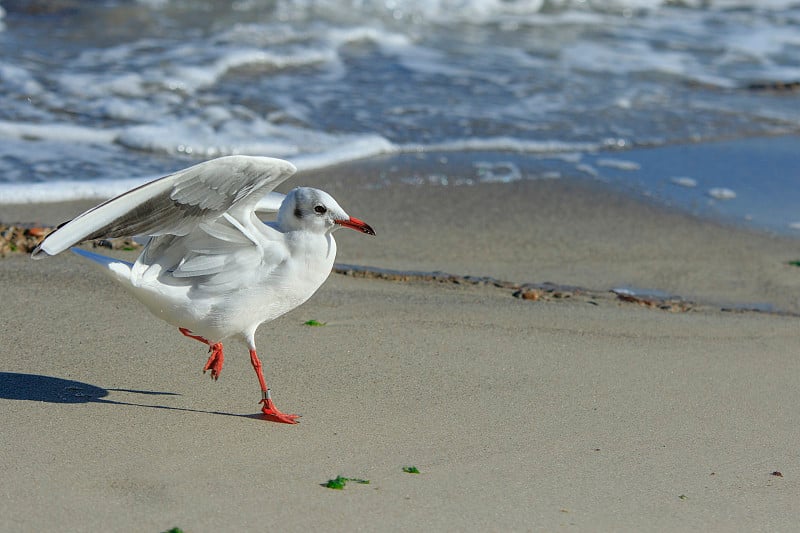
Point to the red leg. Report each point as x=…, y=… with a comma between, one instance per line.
x=217, y=357
x=191, y=335
x=270, y=411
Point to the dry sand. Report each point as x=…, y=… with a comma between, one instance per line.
x=520, y=415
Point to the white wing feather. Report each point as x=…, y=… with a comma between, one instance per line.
x=178, y=203
x=270, y=203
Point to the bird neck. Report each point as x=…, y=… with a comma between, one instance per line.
x=311, y=246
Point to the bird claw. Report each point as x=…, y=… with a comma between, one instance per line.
x=272, y=413
x=215, y=361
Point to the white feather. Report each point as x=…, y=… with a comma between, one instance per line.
x=210, y=265
x=270, y=203
x=175, y=204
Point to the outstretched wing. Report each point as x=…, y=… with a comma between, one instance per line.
x=176, y=204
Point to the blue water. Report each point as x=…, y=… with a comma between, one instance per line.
x=96, y=97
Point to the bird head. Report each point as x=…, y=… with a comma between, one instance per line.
x=305, y=208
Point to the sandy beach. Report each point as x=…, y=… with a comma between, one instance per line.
x=566, y=414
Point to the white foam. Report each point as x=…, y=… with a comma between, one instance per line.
x=193, y=78
x=130, y=109
x=64, y=191
x=499, y=172
x=587, y=169
x=56, y=131
x=774, y=5
x=325, y=82
x=619, y=164
x=218, y=134
x=504, y=144
x=100, y=85
x=354, y=148
x=388, y=40
x=289, y=143
x=722, y=193
x=625, y=57
x=18, y=79
x=684, y=181
x=194, y=136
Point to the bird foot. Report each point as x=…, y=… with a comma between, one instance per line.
x=215, y=361
x=272, y=414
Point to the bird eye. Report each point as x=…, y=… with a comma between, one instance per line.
x=320, y=209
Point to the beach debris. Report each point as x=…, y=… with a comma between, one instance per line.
x=39, y=232
x=777, y=473
x=619, y=164
x=684, y=181
x=314, y=323
x=547, y=292
x=411, y=470
x=722, y=193
x=386, y=274
x=683, y=497
x=21, y=238
x=544, y=292
x=530, y=294
x=339, y=482
x=672, y=305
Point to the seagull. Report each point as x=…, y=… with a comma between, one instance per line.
x=211, y=267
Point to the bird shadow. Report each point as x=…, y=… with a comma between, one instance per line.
x=37, y=388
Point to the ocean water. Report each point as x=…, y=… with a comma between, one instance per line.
x=96, y=97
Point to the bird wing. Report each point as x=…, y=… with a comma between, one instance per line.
x=217, y=255
x=177, y=204
x=270, y=203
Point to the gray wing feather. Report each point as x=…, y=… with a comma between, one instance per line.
x=176, y=204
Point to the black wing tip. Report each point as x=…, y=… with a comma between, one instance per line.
x=39, y=253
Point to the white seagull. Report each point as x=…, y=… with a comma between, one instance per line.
x=212, y=268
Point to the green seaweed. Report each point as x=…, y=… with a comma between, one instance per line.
x=795, y=263
x=339, y=482
x=410, y=470
x=313, y=322
x=174, y=530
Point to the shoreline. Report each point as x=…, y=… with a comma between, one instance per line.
x=23, y=240
x=695, y=178
x=566, y=232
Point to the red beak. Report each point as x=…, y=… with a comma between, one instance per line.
x=356, y=224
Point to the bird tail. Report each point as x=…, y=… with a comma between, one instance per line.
x=115, y=268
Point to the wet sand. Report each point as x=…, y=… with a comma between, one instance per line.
x=521, y=415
